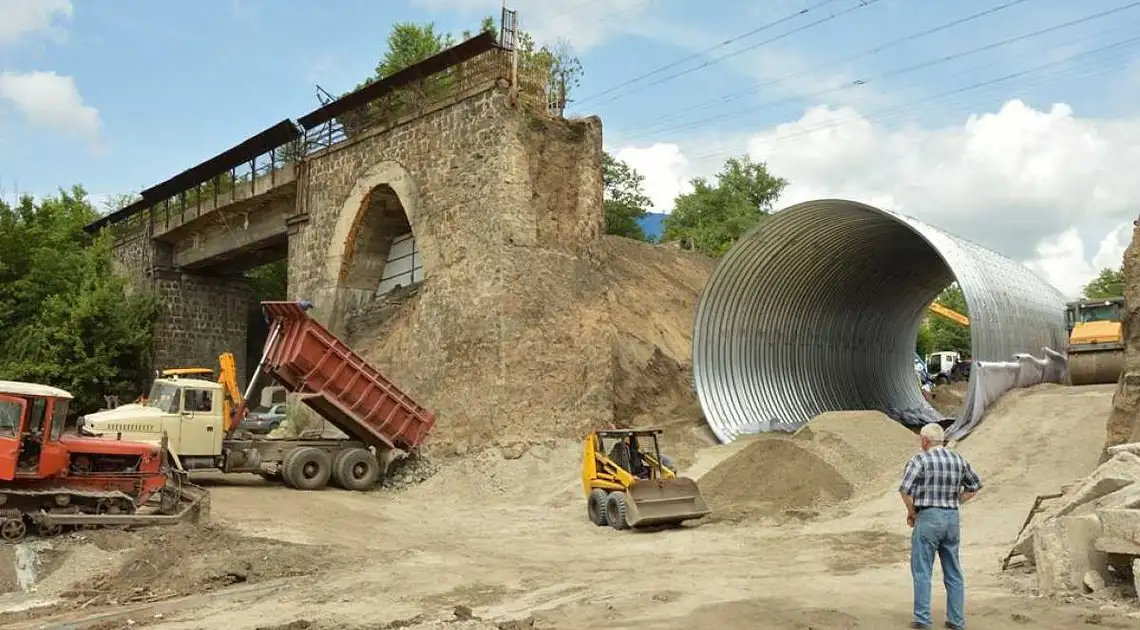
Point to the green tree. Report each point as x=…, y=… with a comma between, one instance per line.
x=713, y=216
x=65, y=318
x=943, y=334
x=625, y=200
x=1108, y=283
x=269, y=281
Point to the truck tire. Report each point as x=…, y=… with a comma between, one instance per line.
x=356, y=469
x=307, y=468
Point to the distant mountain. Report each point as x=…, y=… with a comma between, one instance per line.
x=653, y=224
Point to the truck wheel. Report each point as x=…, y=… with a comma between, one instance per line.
x=356, y=469
x=307, y=468
x=615, y=510
x=596, y=507
x=286, y=466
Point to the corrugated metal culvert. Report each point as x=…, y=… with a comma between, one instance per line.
x=818, y=308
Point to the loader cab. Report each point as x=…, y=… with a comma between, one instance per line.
x=629, y=449
x=32, y=420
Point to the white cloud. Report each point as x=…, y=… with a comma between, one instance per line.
x=583, y=23
x=1062, y=259
x=28, y=17
x=50, y=101
x=663, y=167
x=1044, y=187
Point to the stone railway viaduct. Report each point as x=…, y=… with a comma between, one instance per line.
x=452, y=172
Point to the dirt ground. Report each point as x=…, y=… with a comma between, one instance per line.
x=501, y=540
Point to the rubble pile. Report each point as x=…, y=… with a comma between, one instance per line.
x=1088, y=539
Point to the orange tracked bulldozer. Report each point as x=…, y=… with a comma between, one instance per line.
x=50, y=479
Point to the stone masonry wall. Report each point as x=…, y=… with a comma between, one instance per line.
x=508, y=337
x=200, y=318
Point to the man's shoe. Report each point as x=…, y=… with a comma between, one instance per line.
x=954, y=627
x=919, y=626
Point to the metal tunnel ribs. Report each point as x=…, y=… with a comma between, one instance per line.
x=818, y=308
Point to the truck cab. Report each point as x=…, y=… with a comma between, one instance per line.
x=189, y=411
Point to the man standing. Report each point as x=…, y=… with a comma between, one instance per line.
x=934, y=484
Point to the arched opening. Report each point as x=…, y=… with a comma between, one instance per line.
x=381, y=254
x=374, y=250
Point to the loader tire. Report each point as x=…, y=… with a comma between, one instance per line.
x=356, y=469
x=616, y=511
x=596, y=507
x=307, y=468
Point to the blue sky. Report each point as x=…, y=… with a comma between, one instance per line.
x=170, y=84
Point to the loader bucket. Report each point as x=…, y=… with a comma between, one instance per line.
x=662, y=501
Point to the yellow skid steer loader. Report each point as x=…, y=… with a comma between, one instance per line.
x=628, y=483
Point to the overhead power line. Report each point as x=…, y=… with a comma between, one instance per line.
x=890, y=73
x=1122, y=45
x=755, y=31
x=846, y=59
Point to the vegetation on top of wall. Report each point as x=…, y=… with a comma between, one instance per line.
x=66, y=319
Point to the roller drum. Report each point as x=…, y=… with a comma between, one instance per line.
x=1096, y=367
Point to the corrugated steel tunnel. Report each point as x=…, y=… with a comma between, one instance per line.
x=818, y=308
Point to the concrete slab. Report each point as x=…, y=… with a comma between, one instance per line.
x=1122, y=523
x=1065, y=551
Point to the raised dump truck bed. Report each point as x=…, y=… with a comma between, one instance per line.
x=380, y=420
x=303, y=356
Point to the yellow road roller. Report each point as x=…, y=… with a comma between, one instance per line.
x=629, y=483
x=1096, y=340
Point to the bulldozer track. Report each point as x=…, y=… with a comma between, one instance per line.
x=108, y=511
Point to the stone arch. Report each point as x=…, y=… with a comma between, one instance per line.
x=376, y=222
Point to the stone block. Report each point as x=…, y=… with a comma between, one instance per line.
x=1121, y=531
x=1117, y=473
x=1065, y=551
x=1114, y=484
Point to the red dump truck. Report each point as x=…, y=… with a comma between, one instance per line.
x=300, y=354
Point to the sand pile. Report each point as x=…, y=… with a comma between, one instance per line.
x=837, y=457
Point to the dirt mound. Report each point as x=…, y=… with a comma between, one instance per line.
x=160, y=563
x=946, y=399
x=1037, y=439
x=837, y=457
x=603, y=340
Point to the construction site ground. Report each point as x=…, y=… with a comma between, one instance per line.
x=500, y=539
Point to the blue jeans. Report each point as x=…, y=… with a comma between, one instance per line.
x=936, y=531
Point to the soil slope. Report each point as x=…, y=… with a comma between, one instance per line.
x=648, y=299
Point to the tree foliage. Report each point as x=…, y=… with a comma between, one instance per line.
x=65, y=318
x=1108, y=283
x=625, y=200
x=552, y=70
x=713, y=216
x=938, y=333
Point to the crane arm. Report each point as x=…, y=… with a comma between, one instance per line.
x=227, y=378
x=949, y=314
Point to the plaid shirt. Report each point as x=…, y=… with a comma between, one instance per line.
x=935, y=477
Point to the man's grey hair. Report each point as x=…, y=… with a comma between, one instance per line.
x=933, y=432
